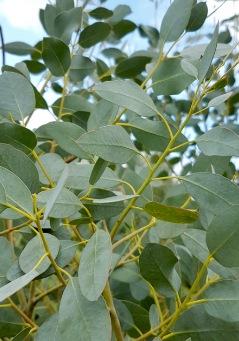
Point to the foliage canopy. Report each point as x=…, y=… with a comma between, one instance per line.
x=119, y=219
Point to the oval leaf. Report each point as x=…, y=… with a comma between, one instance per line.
x=94, y=34
x=16, y=96
x=110, y=143
x=157, y=264
x=220, y=141
x=56, y=56
x=223, y=237
x=77, y=316
x=34, y=251
x=219, y=99
x=95, y=264
x=128, y=95
x=170, y=213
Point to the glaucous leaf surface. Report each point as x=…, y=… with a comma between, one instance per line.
x=77, y=316
x=95, y=264
x=212, y=191
x=220, y=141
x=120, y=148
x=127, y=95
x=157, y=266
x=17, y=96
x=34, y=251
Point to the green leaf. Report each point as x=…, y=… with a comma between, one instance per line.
x=95, y=264
x=3, y=198
x=140, y=317
x=81, y=67
x=19, y=283
x=131, y=67
x=222, y=300
x=49, y=329
x=34, y=66
x=55, y=193
x=120, y=12
x=111, y=143
x=122, y=28
x=219, y=99
x=66, y=135
x=195, y=241
x=79, y=177
x=77, y=316
x=175, y=20
x=170, y=213
x=53, y=165
x=195, y=52
x=6, y=259
x=35, y=250
x=208, y=55
x=197, y=324
x=64, y=5
x=103, y=71
x=56, y=56
x=154, y=134
x=67, y=203
x=103, y=114
x=21, y=165
x=101, y=13
x=151, y=33
x=22, y=334
x=19, y=137
x=16, y=96
x=49, y=14
x=20, y=198
x=189, y=68
x=212, y=191
x=157, y=266
x=125, y=318
x=19, y=48
x=170, y=78
x=220, y=141
x=66, y=23
x=198, y=16
x=166, y=230
x=65, y=255
x=94, y=34
x=97, y=170
x=223, y=237
x=127, y=273
x=128, y=95
x=10, y=322
x=72, y=104
x=103, y=210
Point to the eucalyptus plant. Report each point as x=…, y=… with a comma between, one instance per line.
x=119, y=219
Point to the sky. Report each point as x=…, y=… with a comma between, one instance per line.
x=19, y=19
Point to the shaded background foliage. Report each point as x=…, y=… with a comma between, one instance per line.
x=119, y=220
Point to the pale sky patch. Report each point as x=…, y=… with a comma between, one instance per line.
x=23, y=14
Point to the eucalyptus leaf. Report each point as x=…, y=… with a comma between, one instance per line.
x=17, y=96
x=95, y=264
x=219, y=99
x=34, y=251
x=220, y=141
x=20, y=199
x=14, y=286
x=65, y=205
x=120, y=148
x=6, y=259
x=157, y=264
x=49, y=329
x=56, y=56
x=19, y=137
x=175, y=20
x=94, y=34
x=212, y=191
x=170, y=213
x=128, y=95
x=77, y=316
x=66, y=23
